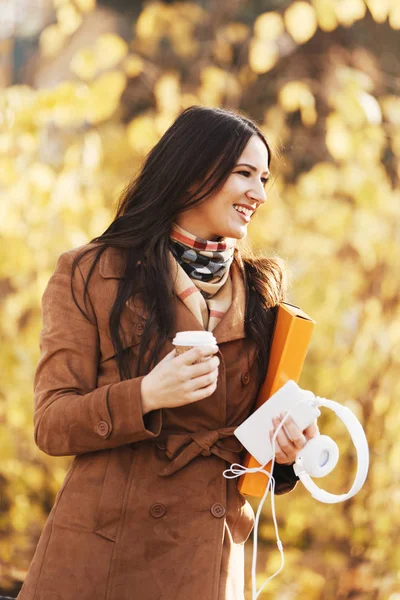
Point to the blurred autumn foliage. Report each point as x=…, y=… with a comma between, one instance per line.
x=322, y=79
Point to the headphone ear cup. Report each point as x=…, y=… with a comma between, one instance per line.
x=319, y=456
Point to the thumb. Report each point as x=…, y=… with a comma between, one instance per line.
x=311, y=431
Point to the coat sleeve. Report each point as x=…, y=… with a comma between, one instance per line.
x=71, y=414
x=285, y=478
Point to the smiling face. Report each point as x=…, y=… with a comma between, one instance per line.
x=245, y=187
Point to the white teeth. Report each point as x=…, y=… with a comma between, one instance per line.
x=243, y=210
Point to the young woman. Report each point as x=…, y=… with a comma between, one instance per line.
x=144, y=512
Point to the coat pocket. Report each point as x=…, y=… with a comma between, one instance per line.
x=113, y=492
x=244, y=523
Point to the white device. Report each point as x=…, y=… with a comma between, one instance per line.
x=253, y=432
x=320, y=455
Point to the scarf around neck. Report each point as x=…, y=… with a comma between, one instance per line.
x=202, y=279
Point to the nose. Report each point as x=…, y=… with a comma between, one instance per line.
x=257, y=194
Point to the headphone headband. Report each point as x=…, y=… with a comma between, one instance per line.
x=361, y=445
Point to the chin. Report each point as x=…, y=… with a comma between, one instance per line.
x=238, y=234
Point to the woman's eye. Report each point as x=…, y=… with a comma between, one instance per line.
x=264, y=180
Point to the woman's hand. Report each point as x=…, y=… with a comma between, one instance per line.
x=176, y=381
x=290, y=439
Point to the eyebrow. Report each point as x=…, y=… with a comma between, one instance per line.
x=253, y=168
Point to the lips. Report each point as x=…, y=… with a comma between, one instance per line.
x=242, y=216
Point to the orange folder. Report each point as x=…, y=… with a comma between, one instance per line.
x=290, y=342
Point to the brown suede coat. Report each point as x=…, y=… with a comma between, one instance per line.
x=144, y=511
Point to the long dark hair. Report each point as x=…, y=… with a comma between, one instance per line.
x=191, y=161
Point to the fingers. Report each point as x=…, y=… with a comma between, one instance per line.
x=311, y=431
x=284, y=449
x=207, y=386
x=289, y=440
x=198, y=383
x=293, y=433
x=280, y=456
x=199, y=369
x=195, y=354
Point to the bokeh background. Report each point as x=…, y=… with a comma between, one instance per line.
x=87, y=89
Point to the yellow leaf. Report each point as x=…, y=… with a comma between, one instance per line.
x=338, y=139
x=379, y=9
x=66, y=192
x=152, y=20
x=370, y=107
x=42, y=177
x=326, y=14
x=188, y=10
x=8, y=172
x=105, y=95
x=394, y=15
x=51, y=40
x=142, y=134
x=92, y=151
x=301, y=21
x=133, y=65
x=269, y=26
x=294, y=95
x=308, y=115
x=184, y=44
x=6, y=142
x=68, y=18
x=18, y=262
x=391, y=108
x=84, y=64
x=167, y=92
x=27, y=143
x=86, y=5
x=109, y=50
x=99, y=221
x=235, y=32
x=349, y=11
x=112, y=83
x=263, y=55
x=181, y=33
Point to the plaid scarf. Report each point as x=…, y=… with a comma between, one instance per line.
x=201, y=270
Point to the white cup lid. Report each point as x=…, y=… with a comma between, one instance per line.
x=194, y=338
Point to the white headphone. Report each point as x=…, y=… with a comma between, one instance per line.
x=320, y=456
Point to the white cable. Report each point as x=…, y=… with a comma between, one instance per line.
x=236, y=470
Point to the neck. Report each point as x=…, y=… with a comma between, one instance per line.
x=196, y=229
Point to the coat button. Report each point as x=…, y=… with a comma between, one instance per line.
x=217, y=510
x=158, y=510
x=245, y=377
x=103, y=428
x=139, y=328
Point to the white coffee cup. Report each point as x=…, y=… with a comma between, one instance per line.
x=185, y=340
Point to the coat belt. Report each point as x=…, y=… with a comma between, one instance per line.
x=182, y=448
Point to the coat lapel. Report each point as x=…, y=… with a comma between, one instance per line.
x=231, y=326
